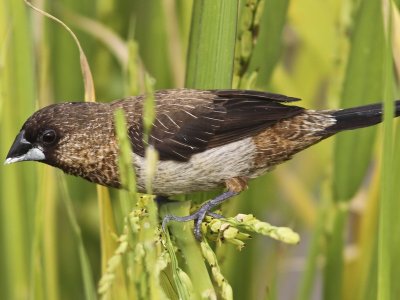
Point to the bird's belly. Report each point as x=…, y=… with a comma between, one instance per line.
x=204, y=171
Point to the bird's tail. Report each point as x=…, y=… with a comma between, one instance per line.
x=358, y=117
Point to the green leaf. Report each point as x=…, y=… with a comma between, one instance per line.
x=363, y=83
x=389, y=204
x=17, y=183
x=212, y=44
x=269, y=47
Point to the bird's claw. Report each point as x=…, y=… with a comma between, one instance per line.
x=200, y=214
x=198, y=217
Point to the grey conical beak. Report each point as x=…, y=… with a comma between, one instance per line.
x=22, y=150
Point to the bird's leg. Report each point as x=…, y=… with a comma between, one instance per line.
x=214, y=215
x=200, y=214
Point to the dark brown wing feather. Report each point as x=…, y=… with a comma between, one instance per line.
x=191, y=121
x=249, y=94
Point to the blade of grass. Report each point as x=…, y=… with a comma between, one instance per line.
x=176, y=58
x=212, y=44
x=88, y=284
x=49, y=215
x=307, y=280
x=127, y=198
x=395, y=228
x=37, y=289
x=184, y=287
x=184, y=11
x=17, y=80
x=363, y=83
x=108, y=242
x=269, y=47
x=358, y=281
x=86, y=74
x=114, y=43
x=149, y=21
x=190, y=250
x=49, y=254
x=387, y=218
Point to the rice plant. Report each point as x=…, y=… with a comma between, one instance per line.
x=63, y=238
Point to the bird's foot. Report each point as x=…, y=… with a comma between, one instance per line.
x=198, y=217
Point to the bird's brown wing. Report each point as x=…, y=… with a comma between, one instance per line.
x=193, y=121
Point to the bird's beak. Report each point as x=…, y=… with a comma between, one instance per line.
x=22, y=150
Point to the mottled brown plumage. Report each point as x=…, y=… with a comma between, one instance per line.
x=205, y=139
x=194, y=132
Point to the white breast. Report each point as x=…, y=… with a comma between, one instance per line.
x=204, y=171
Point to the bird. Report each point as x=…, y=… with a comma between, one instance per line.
x=205, y=139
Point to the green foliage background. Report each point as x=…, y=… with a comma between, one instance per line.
x=341, y=195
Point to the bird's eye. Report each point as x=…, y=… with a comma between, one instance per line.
x=49, y=137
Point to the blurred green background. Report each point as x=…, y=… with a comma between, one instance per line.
x=341, y=195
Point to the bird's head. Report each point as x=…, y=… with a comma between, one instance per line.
x=76, y=137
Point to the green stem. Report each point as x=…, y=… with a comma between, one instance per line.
x=189, y=248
